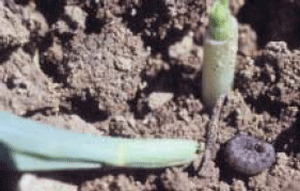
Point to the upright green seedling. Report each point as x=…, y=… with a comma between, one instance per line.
x=220, y=48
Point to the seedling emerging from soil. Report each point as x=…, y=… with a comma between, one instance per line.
x=220, y=48
x=30, y=146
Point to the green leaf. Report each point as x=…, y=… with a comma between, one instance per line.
x=31, y=146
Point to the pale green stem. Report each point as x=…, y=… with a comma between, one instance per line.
x=27, y=140
x=220, y=49
x=23, y=162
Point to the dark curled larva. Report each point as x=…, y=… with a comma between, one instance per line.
x=249, y=156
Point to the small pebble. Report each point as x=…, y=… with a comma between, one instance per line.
x=248, y=155
x=158, y=99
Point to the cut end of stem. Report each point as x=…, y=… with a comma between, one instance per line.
x=220, y=47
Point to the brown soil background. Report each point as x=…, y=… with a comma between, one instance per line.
x=95, y=67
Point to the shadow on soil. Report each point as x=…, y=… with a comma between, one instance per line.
x=288, y=141
x=177, y=79
x=263, y=101
x=87, y=107
x=149, y=19
x=8, y=178
x=269, y=19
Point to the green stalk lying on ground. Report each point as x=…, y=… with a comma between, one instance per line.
x=220, y=48
x=30, y=146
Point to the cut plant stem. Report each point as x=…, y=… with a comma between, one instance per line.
x=220, y=48
x=26, y=145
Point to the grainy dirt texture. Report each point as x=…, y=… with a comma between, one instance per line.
x=132, y=68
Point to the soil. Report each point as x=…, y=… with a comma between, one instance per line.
x=132, y=69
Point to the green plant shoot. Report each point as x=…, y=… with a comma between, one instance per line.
x=220, y=48
x=26, y=145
